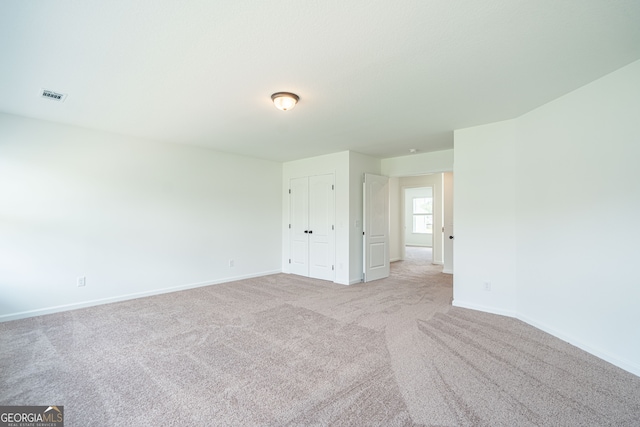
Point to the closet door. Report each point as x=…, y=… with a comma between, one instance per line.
x=312, y=235
x=299, y=232
x=321, y=228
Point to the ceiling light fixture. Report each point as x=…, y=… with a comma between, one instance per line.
x=285, y=100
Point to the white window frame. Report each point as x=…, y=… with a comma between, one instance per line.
x=415, y=215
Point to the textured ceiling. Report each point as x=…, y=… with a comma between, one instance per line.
x=376, y=77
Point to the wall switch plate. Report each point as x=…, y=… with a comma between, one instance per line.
x=82, y=281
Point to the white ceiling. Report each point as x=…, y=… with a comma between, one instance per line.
x=376, y=77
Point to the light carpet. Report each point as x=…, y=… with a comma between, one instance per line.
x=286, y=350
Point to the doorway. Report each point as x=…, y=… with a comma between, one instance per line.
x=426, y=218
x=418, y=216
x=442, y=227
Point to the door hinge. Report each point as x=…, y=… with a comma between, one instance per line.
x=289, y=191
x=332, y=187
x=332, y=227
x=332, y=268
x=363, y=233
x=289, y=225
x=289, y=260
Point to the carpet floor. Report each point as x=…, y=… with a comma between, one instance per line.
x=284, y=350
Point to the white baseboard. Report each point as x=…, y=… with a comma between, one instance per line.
x=91, y=303
x=486, y=309
x=395, y=259
x=447, y=271
x=437, y=262
x=628, y=366
x=354, y=281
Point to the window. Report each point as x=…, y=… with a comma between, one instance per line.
x=423, y=215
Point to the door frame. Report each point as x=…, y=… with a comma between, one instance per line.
x=438, y=217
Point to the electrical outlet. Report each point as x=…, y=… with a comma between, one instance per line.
x=487, y=285
x=82, y=281
x=232, y=263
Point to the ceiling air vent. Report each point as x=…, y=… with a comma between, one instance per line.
x=54, y=96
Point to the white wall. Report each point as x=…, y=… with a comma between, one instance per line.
x=411, y=238
x=447, y=222
x=551, y=180
x=418, y=164
x=134, y=217
x=395, y=210
x=578, y=176
x=484, y=218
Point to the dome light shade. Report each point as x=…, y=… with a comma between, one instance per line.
x=284, y=100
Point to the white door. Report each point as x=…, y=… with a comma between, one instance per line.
x=299, y=232
x=311, y=228
x=321, y=213
x=376, y=227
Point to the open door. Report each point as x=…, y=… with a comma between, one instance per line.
x=376, y=227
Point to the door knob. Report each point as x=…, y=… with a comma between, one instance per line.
x=306, y=231
x=310, y=231
x=451, y=237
